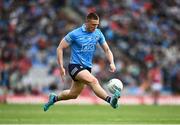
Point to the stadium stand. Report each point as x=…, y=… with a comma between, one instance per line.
x=140, y=33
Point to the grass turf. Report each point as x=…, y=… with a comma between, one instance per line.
x=89, y=114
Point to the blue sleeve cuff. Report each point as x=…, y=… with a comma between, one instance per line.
x=68, y=39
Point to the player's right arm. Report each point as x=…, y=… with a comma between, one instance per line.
x=62, y=45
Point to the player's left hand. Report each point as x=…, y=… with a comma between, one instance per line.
x=112, y=67
x=62, y=73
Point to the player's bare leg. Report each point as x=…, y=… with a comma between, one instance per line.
x=72, y=93
x=86, y=77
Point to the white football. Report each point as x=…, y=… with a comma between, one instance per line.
x=114, y=84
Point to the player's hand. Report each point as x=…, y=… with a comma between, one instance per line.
x=112, y=67
x=62, y=73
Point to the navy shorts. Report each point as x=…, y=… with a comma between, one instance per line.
x=74, y=69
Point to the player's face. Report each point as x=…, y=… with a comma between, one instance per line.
x=91, y=25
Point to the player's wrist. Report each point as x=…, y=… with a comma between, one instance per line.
x=61, y=66
x=112, y=63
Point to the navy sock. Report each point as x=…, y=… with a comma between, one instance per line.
x=108, y=99
x=55, y=99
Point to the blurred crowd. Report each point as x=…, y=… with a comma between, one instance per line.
x=143, y=35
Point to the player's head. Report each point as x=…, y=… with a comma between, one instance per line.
x=92, y=22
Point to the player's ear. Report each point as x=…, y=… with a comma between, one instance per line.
x=88, y=20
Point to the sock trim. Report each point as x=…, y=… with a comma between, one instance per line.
x=108, y=99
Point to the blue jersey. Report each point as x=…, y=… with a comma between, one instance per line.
x=83, y=45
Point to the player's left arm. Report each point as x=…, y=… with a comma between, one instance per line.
x=109, y=56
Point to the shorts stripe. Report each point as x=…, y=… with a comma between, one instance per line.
x=74, y=69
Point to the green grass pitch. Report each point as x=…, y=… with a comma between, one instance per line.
x=89, y=114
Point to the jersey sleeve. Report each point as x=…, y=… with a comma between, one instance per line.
x=102, y=38
x=69, y=37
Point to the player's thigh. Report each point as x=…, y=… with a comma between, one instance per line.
x=86, y=77
x=76, y=87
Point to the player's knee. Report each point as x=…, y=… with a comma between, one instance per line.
x=94, y=81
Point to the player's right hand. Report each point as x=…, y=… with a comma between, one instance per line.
x=62, y=73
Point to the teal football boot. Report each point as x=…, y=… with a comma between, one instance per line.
x=50, y=102
x=114, y=99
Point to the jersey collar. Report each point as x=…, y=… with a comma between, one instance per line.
x=84, y=27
